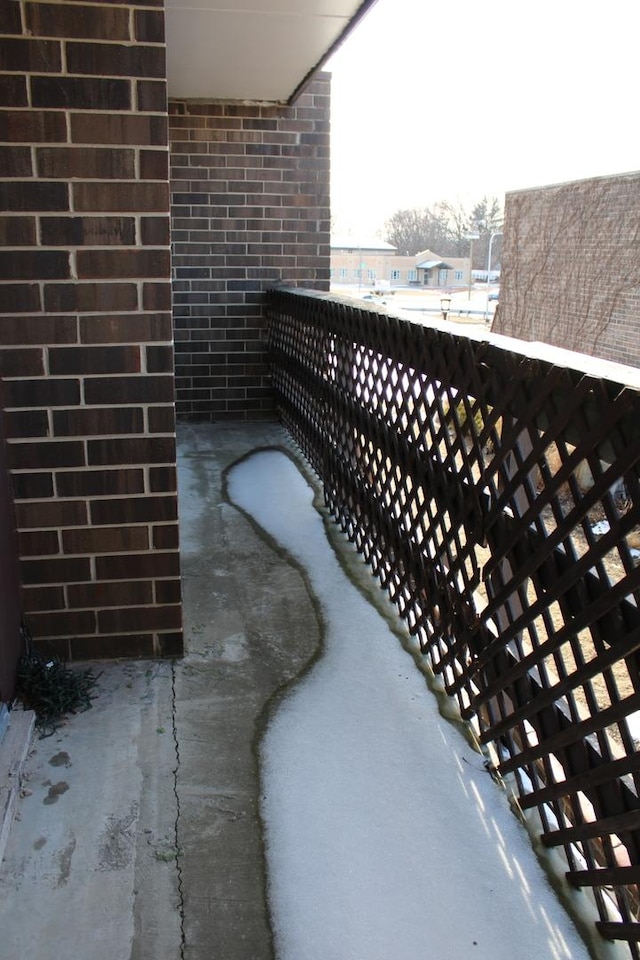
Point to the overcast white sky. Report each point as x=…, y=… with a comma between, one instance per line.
x=451, y=102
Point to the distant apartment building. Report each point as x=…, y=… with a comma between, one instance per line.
x=371, y=262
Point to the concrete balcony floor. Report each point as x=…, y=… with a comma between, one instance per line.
x=140, y=834
x=165, y=759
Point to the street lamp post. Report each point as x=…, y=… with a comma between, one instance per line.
x=471, y=237
x=498, y=233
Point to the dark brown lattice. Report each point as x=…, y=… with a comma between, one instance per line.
x=496, y=498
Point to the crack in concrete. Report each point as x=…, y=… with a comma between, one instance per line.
x=176, y=769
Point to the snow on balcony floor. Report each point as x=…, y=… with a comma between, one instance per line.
x=386, y=837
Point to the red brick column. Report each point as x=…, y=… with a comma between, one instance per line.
x=86, y=343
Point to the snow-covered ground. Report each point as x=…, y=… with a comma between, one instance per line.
x=428, y=298
x=386, y=837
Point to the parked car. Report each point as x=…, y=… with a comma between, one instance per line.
x=495, y=295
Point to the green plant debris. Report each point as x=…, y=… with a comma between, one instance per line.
x=166, y=856
x=52, y=690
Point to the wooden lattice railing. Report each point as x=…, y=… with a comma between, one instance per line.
x=496, y=496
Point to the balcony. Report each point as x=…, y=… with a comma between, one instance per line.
x=493, y=493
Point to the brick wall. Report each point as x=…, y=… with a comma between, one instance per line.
x=250, y=209
x=86, y=348
x=571, y=267
x=10, y=602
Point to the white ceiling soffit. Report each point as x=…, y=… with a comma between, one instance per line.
x=252, y=49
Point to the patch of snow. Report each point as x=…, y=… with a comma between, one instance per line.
x=633, y=722
x=386, y=838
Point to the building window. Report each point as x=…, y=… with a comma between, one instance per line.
x=458, y=275
x=412, y=275
x=344, y=273
x=371, y=274
x=357, y=274
x=395, y=274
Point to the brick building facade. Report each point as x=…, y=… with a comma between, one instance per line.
x=250, y=209
x=571, y=267
x=353, y=263
x=86, y=343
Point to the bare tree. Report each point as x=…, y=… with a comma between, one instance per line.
x=460, y=224
x=408, y=230
x=487, y=218
x=444, y=228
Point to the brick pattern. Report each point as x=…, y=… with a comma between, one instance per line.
x=250, y=209
x=570, y=267
x=86, y=340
